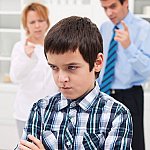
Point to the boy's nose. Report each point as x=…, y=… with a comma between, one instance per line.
x=63, y=77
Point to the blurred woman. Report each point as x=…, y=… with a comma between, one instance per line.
x=29, y=66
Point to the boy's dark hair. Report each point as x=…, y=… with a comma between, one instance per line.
x=74, y=33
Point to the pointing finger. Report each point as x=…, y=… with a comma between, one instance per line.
x=124, y=26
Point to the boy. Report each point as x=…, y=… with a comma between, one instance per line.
x=80, y=116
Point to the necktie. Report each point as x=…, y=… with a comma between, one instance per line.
x=110, y=65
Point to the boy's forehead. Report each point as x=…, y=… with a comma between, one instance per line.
x=65, y=58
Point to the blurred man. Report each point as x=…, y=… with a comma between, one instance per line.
x=126, y=61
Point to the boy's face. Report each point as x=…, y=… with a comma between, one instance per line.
x=71, y=73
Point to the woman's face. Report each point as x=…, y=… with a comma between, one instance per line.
x=36, y=25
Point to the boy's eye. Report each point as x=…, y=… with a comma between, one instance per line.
x=72, y=67
x=53, y=67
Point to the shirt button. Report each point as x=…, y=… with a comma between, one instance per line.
x=68, y=143
x=73, y=104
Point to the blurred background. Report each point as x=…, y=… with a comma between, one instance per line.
x=11, y=31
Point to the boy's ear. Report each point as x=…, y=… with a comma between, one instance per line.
x=99, y=62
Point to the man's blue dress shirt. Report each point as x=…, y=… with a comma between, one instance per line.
x=133, y=63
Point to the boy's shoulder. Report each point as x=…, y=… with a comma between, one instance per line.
x=112, y=104
x=47, y=101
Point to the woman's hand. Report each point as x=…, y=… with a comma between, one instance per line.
x=29, y=49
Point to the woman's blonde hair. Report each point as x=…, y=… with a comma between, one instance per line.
x=40, y=9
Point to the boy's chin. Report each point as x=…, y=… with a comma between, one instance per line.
x=71, y=97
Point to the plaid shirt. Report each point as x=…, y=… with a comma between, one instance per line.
x=100, y=122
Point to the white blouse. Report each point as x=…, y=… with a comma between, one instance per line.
x=34, y=77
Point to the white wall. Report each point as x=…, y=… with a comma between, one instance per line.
x=92, y=9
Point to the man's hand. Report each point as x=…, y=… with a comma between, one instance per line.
x=35, y=145
x=123, y=36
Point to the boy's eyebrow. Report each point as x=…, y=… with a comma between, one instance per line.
x=73, y=63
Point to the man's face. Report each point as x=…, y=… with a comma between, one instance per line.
x=115, y=10
x=71, y=73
